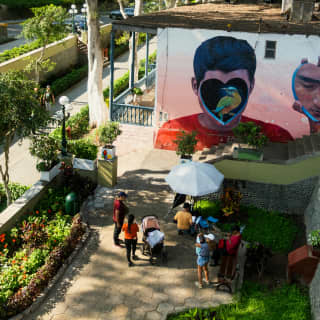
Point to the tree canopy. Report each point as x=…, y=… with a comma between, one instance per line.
x=37, y=3
x=21, y=114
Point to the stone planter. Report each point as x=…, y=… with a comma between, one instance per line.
x=247, y=154
x=108, y=152
x=49, y=175
x=84, y=164
x=107, y=172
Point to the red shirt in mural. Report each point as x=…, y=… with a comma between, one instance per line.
x=207, y=137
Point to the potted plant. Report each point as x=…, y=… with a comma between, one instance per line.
x=251, y=134
x=186, y=145
x=314, y=241
x=85, y=154
x=108, y=133
x=46, y=149
x=136, y=92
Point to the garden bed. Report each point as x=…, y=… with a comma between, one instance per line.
x=257, y=302
x=32, y=252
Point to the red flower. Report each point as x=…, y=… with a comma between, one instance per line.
x=2, y=240
x=49, y=211
x=14, y=240
x=13, y=261
x=5, y=245
x=37, y=212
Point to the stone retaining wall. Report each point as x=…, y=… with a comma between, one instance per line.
x=290, y=199
x=64, y=53
x=312, y=222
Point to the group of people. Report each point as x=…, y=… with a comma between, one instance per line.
x=130, y=229
x=206, y=245
x=45, y=97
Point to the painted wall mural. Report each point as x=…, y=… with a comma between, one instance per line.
x=209, y=81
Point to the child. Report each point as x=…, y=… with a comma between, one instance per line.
x=202, y=251
x=130, y=238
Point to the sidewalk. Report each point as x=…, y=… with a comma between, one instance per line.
x=22, y=165
x=100, y=285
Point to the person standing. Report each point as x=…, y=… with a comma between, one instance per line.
x=48, y=98
x=184, y=219
x=119, y=212
x=130, y=230
x=202, y=251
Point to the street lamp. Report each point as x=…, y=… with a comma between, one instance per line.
x=64, y=100
x=84, y=10
x=73, y=11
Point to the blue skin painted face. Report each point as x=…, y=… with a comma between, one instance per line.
x=306, y=90
x=210, y=118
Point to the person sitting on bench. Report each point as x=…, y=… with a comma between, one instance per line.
x=228, y=248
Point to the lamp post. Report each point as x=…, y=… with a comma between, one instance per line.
x=64, y=100
x=73, y=11
x=84, y=10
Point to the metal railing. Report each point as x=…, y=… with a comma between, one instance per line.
x=137, y=115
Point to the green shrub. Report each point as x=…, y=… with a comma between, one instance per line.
x=186, y=143
x=208, y=208
x=109, y=132
x=257, y=302
x=272, y=229
x=18, y=51
x=63, y=83
x=79, y=124
x=122, y=83
x=16, y=189
x=20, y=4
x=83, y=149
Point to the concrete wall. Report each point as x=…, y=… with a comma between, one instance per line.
x=64, y=53
x=269, y=173
x=289, y=199
x=312, y=222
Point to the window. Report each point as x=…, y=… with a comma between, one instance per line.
x=270, y=52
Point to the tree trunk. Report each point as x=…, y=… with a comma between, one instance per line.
x=37, y=68
x=138, y=7
x=97, y=106
x=122, y=10
x=5, y=173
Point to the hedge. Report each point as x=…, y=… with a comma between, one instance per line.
x=62, y=84
x=18, y=51
x=83, y=148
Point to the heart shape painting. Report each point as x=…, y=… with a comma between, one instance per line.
x=224, y=101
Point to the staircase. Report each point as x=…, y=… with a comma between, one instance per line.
x=280, y=153
x=83, y=51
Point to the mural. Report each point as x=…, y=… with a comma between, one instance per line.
x=221, y=82
x=306, y=92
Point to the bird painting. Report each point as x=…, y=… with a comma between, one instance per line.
x=231, y=100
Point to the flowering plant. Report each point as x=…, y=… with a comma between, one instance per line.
x=314, y=238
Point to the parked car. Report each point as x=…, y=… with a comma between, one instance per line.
x=116, y=14
x=79, y=22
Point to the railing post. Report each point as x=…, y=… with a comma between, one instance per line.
x=147, y=60
x=133, y=45
x=111, y=75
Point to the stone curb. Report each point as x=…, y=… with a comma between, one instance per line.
x=56, y=278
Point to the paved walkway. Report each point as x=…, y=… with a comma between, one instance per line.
x=100, y=285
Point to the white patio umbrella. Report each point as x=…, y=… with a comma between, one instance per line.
x=194, y=179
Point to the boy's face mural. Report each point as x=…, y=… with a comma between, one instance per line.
x=223, y=96
x=306, y=90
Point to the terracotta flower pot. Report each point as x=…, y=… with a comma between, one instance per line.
x=316, y=251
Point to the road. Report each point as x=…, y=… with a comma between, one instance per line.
x=22, y=165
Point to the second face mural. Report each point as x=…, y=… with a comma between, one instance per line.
x=226, y=90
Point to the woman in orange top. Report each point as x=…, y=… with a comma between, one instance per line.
x=130, y=230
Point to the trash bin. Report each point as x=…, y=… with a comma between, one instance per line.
x=72, y=204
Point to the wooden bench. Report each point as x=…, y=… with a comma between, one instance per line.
x=233, y=268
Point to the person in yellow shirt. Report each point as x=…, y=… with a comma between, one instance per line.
x=184, y=219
